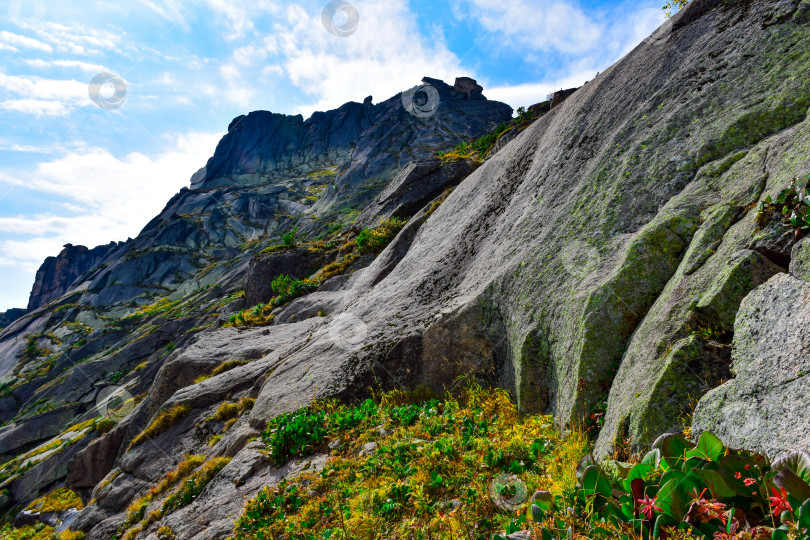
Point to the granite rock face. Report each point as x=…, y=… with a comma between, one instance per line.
x=764, y=405
x=57, y=274
x=8, y=317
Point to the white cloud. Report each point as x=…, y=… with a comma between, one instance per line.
x=387, y=54
x=548, y=25
x=42, y=97
x=36, y=107
x=239, y=17
x=77, y=39
x=525, y=95
x=26, y=149
x=110, y=198
x=21, y=41
x=69, y=64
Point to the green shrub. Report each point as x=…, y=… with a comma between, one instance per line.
x=375, y=240
x=282, y=284
x=703, y=489
x=288, y=240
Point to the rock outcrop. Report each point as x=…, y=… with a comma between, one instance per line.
x=56, y=275
x=763, y=406
x=8, y=317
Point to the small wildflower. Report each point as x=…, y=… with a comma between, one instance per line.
x=750, y=481
x=779, y=502
x=648, y=506
x=737, y=475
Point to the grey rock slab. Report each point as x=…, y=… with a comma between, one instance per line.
x=763, y=406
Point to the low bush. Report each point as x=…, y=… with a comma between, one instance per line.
x=377, y=239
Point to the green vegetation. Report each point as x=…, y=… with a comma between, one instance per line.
x=57, y=500
x=288, y=240
x=227, y=411
x=40, y=531
x=161, y=423
x=288, y=289
x=674, y=5
x=194, y=485
x=194, y=473
x=377, y=239
x=431, y=475
x=465, y=467
x=792, y=205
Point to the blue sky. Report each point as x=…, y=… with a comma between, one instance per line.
x=74, y=172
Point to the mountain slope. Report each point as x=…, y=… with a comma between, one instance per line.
x=593, y=266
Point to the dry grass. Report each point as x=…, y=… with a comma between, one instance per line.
x=161, y=423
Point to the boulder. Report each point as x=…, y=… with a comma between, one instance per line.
x=466, y=85
x=763, y=407
x=296, y=263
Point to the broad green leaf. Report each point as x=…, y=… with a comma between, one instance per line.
x=652, y=458
x=717, y=486
x=673, y=497
x=638, y=471
x=798, y=462
x=673, y=447
x=793, y=484
x=594, y=481
x=544, y=500
x=804, y=515
x=661, y=521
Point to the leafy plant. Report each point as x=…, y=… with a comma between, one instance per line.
x=377, y=239
x=427, y=477
x=288, y=240
x=282, y=284
x=793, y=204
x=674, y=5
x=702, y=489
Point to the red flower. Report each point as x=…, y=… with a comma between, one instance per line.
x=750, y=481
x=779, y=502
x=648, y=505
x=737, y=475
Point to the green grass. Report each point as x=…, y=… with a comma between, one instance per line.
x=430, y=478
